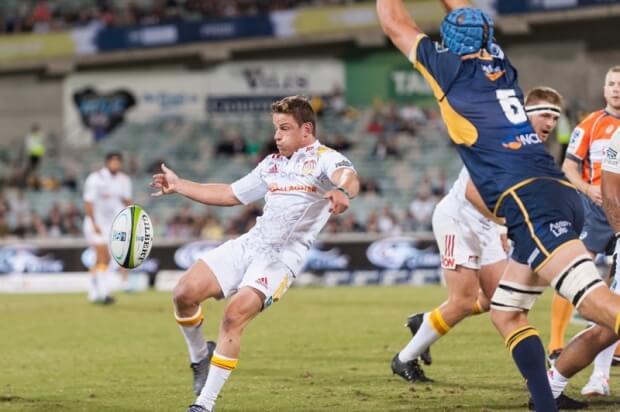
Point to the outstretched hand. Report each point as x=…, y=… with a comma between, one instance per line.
x=166, y=182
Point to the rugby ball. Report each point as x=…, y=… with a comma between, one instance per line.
x=131, y=237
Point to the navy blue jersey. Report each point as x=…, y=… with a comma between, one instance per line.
x=482, y=105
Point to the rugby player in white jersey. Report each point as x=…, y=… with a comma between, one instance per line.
x=303, y=184
x=106, y=192
x=472, y=248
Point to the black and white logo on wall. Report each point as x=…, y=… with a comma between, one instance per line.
x=186, y=255
x=102, y=112
x=25, y=259
x=402, y=253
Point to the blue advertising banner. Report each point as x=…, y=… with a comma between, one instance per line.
x=528, y=6
x=161, y=35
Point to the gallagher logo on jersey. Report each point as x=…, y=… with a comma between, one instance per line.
x=517, y=142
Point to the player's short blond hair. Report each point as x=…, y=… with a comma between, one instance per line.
x=297, y=106
x=614, y=69
x=544, y=94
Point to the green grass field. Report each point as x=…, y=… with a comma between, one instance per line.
x=316, y=350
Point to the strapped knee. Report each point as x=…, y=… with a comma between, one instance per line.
x=577, y=280
x=513, y=297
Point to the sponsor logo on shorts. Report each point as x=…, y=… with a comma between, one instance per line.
x=559, y=228
x=447, y=260
x=262, y=281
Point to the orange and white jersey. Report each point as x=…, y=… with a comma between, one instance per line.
x=589, y=142
x=293, y=189
x=107, y=193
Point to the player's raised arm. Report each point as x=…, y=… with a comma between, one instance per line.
x=215, y=194
x=397, y=24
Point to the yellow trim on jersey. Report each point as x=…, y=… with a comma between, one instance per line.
x=437, y=322
x=192, y=320
x=529, y=223
x=519, y=335
x=228, y=364
x=617, y=327
x=557, y=249
x=461, y=130
x=413, y=54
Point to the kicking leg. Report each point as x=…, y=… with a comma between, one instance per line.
x=196, y=285
x=242, y=308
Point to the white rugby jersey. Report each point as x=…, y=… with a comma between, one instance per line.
x=295, y=211
x=611, y=161
x=107, y=192
x=457, y=192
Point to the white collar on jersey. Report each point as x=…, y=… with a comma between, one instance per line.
x=315, y=145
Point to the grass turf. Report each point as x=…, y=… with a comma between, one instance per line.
x=316, y=350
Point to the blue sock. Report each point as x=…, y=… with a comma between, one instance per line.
x=529, y=354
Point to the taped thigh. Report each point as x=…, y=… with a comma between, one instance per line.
x=513, y=297
x=577, y=280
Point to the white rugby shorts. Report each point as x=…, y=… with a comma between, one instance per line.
x=464, y=237
x=235, y=265
x=93, y=238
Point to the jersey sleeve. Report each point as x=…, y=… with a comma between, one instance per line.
x=580, y=141
x=251, y=187
x=611, y=162
x=436, y=64
x=90, y=189
x=331, y=160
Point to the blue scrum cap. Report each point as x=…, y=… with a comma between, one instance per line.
x=467, y=30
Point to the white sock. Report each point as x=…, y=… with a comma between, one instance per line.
x=556, y=381
x=196, y=343
x=602, y=362
x=423, y=338
x=221, y=367
x=102, y=283
x=93, y=291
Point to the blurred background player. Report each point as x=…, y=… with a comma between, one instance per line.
x=582, y=166
x=106, y=192
x=472, y=255
x=303, y=184
x=517, y=178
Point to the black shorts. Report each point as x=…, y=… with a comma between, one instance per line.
x=597, y=235
x=541, y=215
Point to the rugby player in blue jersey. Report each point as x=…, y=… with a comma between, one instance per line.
x=482, y=105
